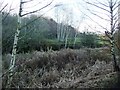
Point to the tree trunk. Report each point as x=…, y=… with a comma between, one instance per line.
x=66, y=40
x=75, y=40
x=12, y=62
x=116, y=67
x=67, y=35
x=0, y=50
x=112, y=41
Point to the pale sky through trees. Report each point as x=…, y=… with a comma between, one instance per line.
x=78, y=8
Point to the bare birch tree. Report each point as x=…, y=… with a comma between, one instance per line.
x=64, y=18
x=68, y=21
x=111, y=9
x=16, y=38
x=60, y=26
x=76, y=32
x=0, y=50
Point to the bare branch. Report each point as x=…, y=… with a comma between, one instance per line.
x=34, y=5
x=3, y=7
x=7, y=13
x=98, y=6
x=92, y=27
x=26, y=1
x=95, y=21
x=97, y=15
x=116, y=7
x=112, y=7
x=37, y=18
x=115, y=15
x=95, y=11
x=102, y=3
x=32, y=22
x=115, y=24
x=37, y=10
x=115, y=3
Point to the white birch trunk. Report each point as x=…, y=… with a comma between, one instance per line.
x=67, y=35
x=58, y=28
x=12, y=62
x=61, y=31
x=66, y=41
x=0, y=50
x=64, y=33
x=75, y=39
x=112, y=41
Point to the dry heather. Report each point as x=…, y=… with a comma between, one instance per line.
x=66, y=68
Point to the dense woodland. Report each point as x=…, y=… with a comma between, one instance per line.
x=42, y=34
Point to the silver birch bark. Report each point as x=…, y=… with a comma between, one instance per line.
x=75, y=39
x=0, y=50
x=20, y=15
x=12, y=62
x=58, y=25
x=76, y=32
x=68, y=22
x=112, y=41
x=66, y=38
x=113, y=5
x=62, y=32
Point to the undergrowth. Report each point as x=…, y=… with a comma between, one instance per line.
x=66, y=68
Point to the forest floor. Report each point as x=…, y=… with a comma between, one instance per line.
x=67, y=68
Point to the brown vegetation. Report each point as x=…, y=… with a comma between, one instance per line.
x=66, y=68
